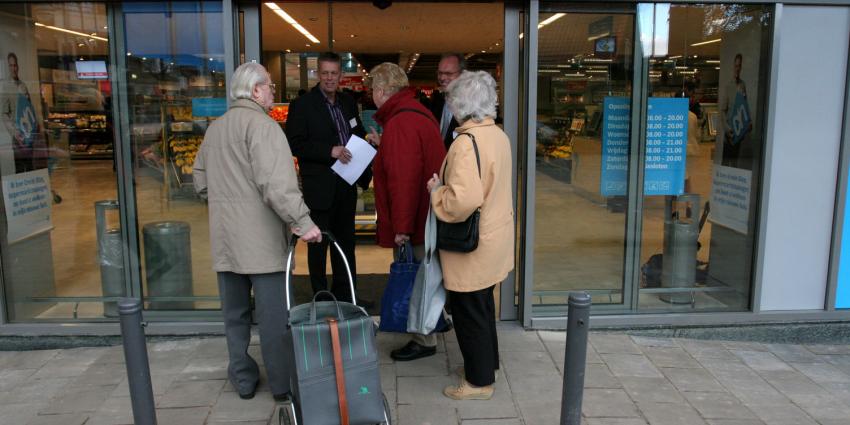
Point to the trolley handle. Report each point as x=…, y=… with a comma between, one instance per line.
x=289, y=257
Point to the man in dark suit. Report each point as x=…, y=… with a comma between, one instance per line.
x=449, y=68
x=318, y=127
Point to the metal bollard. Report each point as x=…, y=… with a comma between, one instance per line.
x=136, y=358
x=574, y=362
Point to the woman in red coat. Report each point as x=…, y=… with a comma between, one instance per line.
x=411, y=151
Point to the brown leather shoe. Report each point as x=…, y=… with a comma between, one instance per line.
x=466, y=391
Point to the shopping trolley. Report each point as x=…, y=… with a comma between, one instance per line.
x=335, y=377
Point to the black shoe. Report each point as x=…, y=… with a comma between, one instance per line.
x=282, y=397
x=412, y=351
x=249, y=395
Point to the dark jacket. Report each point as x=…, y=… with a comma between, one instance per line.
x=411, y=152
x=312, y=134
x=438, y=99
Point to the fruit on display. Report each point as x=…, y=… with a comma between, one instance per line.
x=184, y=149
x=279, y=112
x=181, y=113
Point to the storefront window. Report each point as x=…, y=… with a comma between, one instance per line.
x=584, y=90
x=706, y=92
x=176, y=87
x=61, y=242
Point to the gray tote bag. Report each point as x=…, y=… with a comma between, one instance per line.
x=429, y=295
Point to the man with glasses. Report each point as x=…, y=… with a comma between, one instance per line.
x=449, y=68
x=318, y=127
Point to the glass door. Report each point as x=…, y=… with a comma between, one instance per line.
x=173, y=86
x=582, y=155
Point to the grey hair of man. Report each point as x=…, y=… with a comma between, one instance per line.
x=461, y=60
x=472, y=96
x=245, y=78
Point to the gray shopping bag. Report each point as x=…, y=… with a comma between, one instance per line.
x=314, y=385
x=429, y=296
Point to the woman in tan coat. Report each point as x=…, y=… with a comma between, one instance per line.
x=471, y=277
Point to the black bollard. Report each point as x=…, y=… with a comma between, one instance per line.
x=576, y=355
x=136, y=358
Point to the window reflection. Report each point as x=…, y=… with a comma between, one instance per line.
x=698, y=237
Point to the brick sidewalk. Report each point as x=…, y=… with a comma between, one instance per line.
x=630, y=381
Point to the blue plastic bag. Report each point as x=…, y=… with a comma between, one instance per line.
x=395, y=303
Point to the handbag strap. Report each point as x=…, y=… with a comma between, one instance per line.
x=339, y=372
x=477, y=156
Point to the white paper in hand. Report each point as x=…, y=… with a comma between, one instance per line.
x=361, y=156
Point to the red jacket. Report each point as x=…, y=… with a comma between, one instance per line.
x=411, y=152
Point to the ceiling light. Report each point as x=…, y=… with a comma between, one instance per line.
x=80, y=45
x=353, y=35
x=288, y=51
x=38, y=24
x=702, y=43
x=712, y=61
x=308, y=44
x=597, y=71
x=675, y=57
x=497, y=44
x=598, y=60
x=105, y=27
x=285, y=16
x=144, y=58
x=522, y=34
x=483, y=51
x=550, y=19
x=129, y=54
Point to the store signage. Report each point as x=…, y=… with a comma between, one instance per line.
x=91, y=70
x=615, y=145
x=666, y=140
x=28, y=204
x=209, y=106
x=730, y=198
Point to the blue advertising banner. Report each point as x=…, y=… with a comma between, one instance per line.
x=25, y=120
x=842, y=292
x=739, y=120
x=209, y=106
x=666, y=140
x=615, y=145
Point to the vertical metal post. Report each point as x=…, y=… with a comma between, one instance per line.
x=575, y=358
x=136, y=359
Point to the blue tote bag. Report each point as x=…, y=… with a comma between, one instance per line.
x=395, y=304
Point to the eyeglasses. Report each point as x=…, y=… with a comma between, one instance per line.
x=272, y=86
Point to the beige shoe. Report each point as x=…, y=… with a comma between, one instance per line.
x=462, y=373
x=466, y=391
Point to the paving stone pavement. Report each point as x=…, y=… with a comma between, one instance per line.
x=630, y=380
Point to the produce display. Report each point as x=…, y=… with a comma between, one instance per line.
x=279, y=112
x=181, y=113
x=184, y=149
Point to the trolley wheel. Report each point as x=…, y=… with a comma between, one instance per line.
x=388, y=414
x=286, y=414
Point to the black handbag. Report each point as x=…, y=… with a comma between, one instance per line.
x=463, y=236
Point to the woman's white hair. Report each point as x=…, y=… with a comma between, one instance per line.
x=245, y=78
x=472, y=96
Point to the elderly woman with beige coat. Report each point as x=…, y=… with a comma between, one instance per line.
x=245, y=170
x=455, y=194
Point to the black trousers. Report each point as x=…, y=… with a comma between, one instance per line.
x=474, y=317
x=339, y=220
